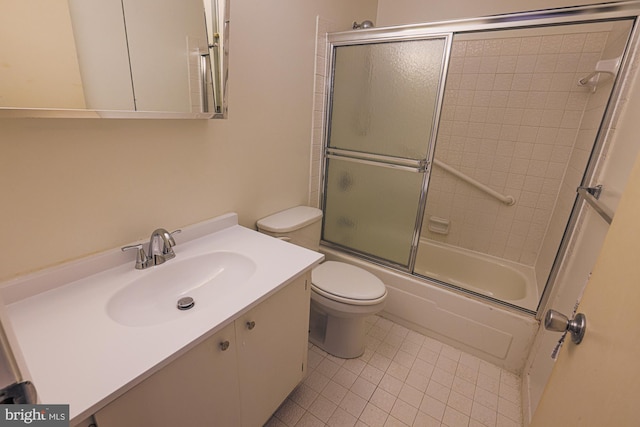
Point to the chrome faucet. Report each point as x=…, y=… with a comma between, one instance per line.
x=161, y=246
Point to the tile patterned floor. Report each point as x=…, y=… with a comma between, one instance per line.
x=402, y=379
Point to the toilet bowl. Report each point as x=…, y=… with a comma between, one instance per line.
x=342, y=295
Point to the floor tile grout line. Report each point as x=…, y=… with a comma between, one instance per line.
x=382, y=331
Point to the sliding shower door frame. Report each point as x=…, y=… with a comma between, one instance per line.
x=540, y=18
x=412, y=165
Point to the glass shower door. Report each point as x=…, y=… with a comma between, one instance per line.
x=382, y=116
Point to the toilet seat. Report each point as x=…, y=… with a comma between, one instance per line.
x=347, y=283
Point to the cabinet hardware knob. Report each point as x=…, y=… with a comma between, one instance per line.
x=251, y=325
x=224, y=345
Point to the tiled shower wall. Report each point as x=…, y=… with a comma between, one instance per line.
x=512, y=118
x=594, y=110
x=511, y=113
x=322, y=28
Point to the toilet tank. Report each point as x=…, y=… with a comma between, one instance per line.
x=301, y=225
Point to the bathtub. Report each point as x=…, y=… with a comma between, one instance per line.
x=482, y=274
x=498, y=334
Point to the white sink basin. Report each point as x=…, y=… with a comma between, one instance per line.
x=152, y=299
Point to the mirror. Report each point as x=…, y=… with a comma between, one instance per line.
x=113, y=58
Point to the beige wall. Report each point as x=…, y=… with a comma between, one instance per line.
x=31, y=73
x=71, y=188
x=397, y=12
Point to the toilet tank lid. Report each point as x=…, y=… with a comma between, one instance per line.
x=290, y=219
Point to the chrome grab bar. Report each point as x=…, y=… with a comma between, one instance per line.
x=591, y=196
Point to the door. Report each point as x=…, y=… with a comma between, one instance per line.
x=383, y=110
x=596, y=384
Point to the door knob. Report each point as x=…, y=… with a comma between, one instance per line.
x=558, y=322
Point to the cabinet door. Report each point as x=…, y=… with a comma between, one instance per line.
x=199, y=388
x=273, y=350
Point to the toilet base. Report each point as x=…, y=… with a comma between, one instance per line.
x=342, y=337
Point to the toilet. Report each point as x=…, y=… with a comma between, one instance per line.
x=342, y=295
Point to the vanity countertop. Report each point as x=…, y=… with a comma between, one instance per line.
x=77, y=354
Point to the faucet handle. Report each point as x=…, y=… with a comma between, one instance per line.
x=142, y=260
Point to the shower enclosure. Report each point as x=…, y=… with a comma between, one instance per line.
x=453, y=151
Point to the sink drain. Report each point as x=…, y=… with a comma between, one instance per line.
x=186, y=303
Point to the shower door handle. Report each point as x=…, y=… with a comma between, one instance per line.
x=411, y=165
x=558, y=322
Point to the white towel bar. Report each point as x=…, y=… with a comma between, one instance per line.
x=507, y=200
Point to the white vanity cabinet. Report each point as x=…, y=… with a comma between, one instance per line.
x=198, y=389
x=272, y=350
x=238, y=377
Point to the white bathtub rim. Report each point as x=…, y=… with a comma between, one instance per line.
x=529, y=302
